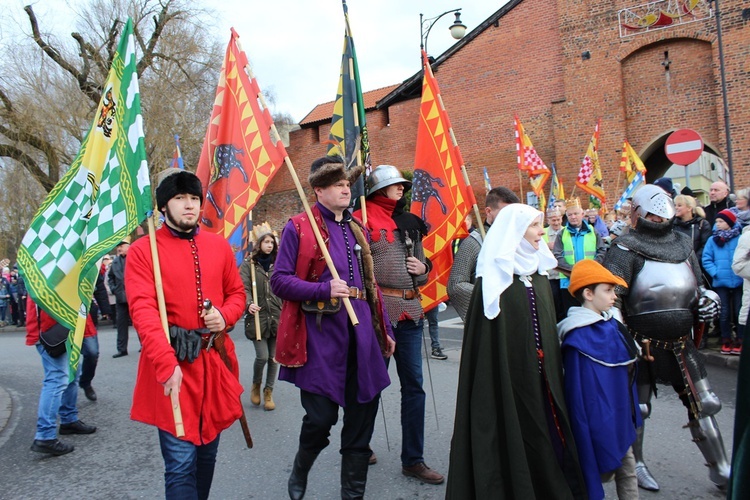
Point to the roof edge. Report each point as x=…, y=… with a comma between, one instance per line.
x=405, y=90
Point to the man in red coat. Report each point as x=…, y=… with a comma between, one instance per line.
x=195, y=266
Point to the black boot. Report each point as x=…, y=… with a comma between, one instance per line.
x=354, y=475
x=298, y=479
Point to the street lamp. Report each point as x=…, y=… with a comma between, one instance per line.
x=724, y=96
x=457, y=29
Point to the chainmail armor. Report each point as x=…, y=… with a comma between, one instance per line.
x=626, y=258
x=390, y=272
x=463, y=275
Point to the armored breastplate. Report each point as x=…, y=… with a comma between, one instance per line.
x=662, y=287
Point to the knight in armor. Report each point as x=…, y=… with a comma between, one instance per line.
x=663, y=302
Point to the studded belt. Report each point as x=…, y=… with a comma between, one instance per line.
x=408, y=294
x=670, y=344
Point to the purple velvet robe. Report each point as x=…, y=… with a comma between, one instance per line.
x=327, y=347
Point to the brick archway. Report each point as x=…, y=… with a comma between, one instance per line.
x=667, y=85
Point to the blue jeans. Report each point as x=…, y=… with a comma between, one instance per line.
x=408, y=356
x=731, y=301
x=432, y=326
x=188, y=469
x=90, y=353
x=58, y=397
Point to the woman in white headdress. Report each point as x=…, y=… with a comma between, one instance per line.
x=512, y=436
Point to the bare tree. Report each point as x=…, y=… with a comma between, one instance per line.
x=50, y=88
x=20, y=200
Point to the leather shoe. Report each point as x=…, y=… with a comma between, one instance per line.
x=90, y=393
x=51, y=446
x=423, y=473
x=119, y=354
x=77, y=427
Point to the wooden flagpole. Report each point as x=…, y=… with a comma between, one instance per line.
x=316, y=230
x=175, y=397
x=477, y=214
x=520, y=186
x=256, y=316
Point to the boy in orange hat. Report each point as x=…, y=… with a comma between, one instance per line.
x=599, y=362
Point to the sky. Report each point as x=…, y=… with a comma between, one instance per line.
x=294, y=46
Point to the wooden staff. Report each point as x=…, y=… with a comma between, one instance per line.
x=256, y=317
x=480, y=225
x=316, y=230
x=477, y=214
x=520, y=186
x=175, y=397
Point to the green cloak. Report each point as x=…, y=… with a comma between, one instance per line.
x=739, y=486
x=501, y=446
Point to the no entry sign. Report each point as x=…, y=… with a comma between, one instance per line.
x=683, y=146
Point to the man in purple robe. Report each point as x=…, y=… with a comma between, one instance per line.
x=333, y=363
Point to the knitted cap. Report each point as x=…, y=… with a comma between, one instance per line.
x=727, y=216
x=589, y=272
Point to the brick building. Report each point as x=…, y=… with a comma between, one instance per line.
x=645, y=71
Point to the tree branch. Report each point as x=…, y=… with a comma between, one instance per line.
x=93, y=92
x=8, y=151
x=6, y=101
x=160, y=21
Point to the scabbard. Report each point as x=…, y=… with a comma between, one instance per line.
x=222, y=350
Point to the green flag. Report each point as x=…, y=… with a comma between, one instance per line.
x=102, y=198
x=348, y=134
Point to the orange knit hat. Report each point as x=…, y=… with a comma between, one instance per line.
x=589, y=272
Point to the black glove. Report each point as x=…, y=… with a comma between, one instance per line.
x=186, y=343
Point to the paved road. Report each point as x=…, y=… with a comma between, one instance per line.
x=122, y=459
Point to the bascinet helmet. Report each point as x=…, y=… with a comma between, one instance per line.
x=384, y=176
x=651, y=199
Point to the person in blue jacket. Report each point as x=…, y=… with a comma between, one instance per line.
x=599, y=364
x=717, y=261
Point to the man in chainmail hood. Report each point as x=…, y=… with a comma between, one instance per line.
x=659, y=306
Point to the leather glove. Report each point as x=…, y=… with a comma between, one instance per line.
x=186, y=343
x=708, y=305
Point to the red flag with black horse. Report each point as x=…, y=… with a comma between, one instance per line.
x=239, y=158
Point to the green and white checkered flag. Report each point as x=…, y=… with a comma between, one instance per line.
x=102, y=198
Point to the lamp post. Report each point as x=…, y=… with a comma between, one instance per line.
x=457, y=29
x=724, y=92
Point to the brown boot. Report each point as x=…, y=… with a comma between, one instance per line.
x=268, y=400
x=255, y=394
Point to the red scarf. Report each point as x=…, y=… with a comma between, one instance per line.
x=380, y=216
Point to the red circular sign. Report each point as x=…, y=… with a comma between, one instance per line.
x=684, y=146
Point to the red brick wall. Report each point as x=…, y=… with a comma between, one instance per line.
x=531, y=65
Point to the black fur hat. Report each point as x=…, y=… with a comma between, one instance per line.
x=329, y=170
x=174, y=181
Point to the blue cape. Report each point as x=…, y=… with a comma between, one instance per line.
x=601, y=397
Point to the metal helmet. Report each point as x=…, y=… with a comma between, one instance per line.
x=651, y=199
x=384, y=176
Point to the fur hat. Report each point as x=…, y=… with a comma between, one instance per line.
x=173, y=181
x=727, y=216
x=329, y=170
x=588, y=272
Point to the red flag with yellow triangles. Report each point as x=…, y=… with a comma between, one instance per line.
x=439, y=194
x=239, y=158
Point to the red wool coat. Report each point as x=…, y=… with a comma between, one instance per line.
x=210, y=393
